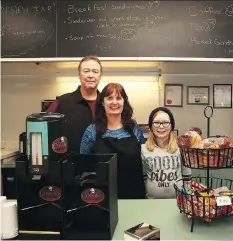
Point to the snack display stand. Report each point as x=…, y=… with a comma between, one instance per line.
x=206, y=197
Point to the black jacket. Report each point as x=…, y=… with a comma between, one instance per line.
x=78, y=117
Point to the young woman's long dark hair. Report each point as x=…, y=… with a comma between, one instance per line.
x=100, y=115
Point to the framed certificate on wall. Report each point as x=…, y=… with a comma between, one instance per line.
x=198, y=95
x=222, y=95
x=173, y=95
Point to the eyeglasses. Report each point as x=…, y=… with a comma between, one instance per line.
x=165, y=124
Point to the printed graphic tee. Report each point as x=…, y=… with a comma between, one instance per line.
x=162, y=170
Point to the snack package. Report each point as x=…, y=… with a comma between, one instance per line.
x=197, y=186
x=216, y=142
x=190, y=139
x=197, y=129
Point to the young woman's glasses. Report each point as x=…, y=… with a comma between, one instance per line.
x=157, y=124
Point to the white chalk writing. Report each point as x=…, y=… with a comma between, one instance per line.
x=207, y=10
x=28, y=32
x=114, y=25
x=207, y=25
x=80, y=20
x=104, y=48
x=91, y=36
x=195, y=41
x=210, y=41
x=109, y=35
x=128, y=34
x=147, y=22
x=229, y=10
x=151, y=5
x=223, y=42
x=16, y=10
x=72, y=9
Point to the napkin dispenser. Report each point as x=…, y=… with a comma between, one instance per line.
x=142, y=231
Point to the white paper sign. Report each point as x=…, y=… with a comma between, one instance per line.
x=223, y=201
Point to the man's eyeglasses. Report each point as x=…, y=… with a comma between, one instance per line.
x=165, y=124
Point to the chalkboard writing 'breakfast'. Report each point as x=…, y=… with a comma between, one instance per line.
x=117, y=29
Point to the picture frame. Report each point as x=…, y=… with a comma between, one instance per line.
x=222, y=96
x=145, y=130
x=198, y=95
x=173, y=95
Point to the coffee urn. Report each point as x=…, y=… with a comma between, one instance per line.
x=39, y=178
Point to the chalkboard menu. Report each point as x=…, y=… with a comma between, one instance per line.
x=28, y=29
x=201, y=29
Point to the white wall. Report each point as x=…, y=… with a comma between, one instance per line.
x=22, y=96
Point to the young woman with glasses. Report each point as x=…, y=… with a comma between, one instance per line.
x=161, y=156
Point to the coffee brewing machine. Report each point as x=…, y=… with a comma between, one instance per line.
x=63, y=195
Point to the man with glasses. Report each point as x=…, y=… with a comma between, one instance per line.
x=79, y=106
x=161, y=156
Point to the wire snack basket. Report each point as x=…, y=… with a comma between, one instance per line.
x=206, y=197
x=195, y=200
x=207, y=158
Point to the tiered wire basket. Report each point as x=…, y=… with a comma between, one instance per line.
x=206, y=197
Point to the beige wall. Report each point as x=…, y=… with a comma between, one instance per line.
x=21, y=96
x=188, y=116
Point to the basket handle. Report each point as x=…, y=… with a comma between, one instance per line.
x=206, y=111
x=208, y=116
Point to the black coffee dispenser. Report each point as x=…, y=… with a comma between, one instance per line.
x=39, y=179
x=90, y=196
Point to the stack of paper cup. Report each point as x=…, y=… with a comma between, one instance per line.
x=9, y=220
